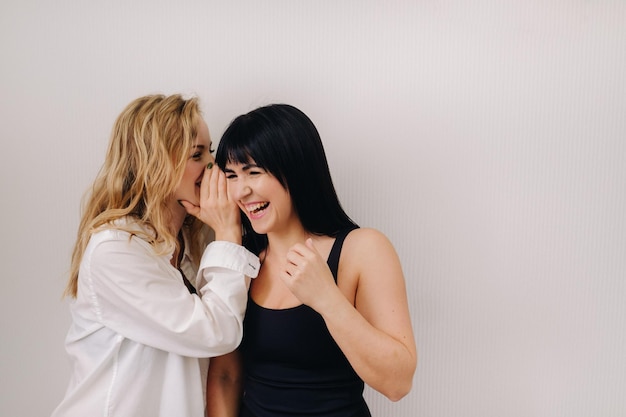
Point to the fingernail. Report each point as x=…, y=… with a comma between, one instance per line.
x=209, y=165
x=180, y=202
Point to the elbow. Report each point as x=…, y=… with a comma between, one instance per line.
x=222, y=339
x=227, y=346
x=399, y=391
x=228, y=342
x=395, y=387
x=401, y=385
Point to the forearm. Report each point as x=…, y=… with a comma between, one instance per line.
x=223, y=397
x=384, y=363
x=224, y=386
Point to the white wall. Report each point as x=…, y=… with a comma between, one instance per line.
x=485, y=138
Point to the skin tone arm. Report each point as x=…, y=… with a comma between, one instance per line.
x=375, y=332
x=224, y=386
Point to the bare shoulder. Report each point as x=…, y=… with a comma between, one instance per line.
x=380, y=291
x=364, y=243
x=368, y=253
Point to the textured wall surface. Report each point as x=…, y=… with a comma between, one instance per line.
x=486, y=138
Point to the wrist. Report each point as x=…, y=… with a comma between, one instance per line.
x=333, y=304
x=233, y=236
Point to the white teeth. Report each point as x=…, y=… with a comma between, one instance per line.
x=257, y=207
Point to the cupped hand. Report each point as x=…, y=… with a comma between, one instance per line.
x=216, y=208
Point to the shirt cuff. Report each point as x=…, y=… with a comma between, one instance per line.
x=229, y=255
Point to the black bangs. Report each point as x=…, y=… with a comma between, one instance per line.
x=234, y=146
x=236, y=155
x=248, y=139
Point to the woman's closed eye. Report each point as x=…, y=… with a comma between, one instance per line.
x=199, y=150
x=249, y=170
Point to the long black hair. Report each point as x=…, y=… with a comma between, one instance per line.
x=283, y=141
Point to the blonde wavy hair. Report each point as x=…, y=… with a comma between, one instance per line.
x=148, y=150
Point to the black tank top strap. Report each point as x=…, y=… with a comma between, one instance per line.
x=335, y=251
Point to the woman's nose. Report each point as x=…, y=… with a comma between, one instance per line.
x=240, y=189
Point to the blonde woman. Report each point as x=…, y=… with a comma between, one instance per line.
x=148, y=300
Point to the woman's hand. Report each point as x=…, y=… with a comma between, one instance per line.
x=216, y=208
x=309, y=278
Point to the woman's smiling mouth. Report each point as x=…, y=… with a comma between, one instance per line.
x=256, y=208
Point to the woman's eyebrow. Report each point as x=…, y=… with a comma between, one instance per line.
x=245, y=167
x=249, y=166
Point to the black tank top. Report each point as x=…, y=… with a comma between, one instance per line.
x=292, y=365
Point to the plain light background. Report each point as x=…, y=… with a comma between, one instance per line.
x=486, y=138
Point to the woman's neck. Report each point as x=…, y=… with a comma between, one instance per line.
x=176, y=224
x=280, y=243
x=178, y=217
x=177, y=256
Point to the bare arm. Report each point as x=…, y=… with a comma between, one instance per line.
x=375, y=332
x=223, y=392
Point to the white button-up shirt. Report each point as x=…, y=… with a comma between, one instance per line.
x=137, y=333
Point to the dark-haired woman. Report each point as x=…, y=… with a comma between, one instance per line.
x=328, y=310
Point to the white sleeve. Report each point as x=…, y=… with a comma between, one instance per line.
x=140, y=296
